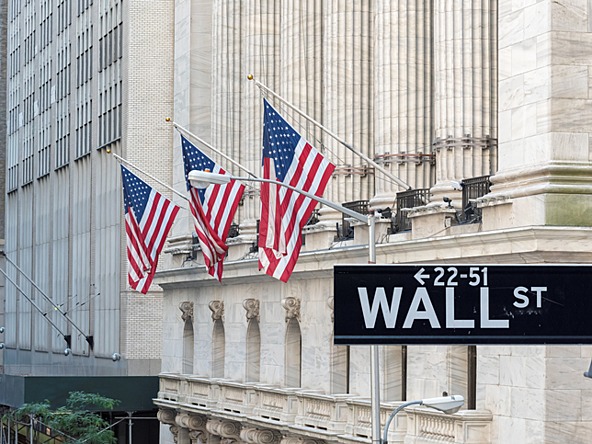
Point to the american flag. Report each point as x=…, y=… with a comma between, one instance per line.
x=148, y=219
x=287, y=158
x=212, y=208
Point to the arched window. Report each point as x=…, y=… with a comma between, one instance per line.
x=339, y=369
x=253, y=351
x=218, y=349
x=188, y=346
x=293, y=353
x=394, y=373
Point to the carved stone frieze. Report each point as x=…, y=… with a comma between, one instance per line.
x=252, y=307
x=331, y=304
x=292, y=307
x=186, y=308
x=217, y=308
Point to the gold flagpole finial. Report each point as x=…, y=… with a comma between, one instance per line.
x=108, y=150
x=250, y=77
x=167, y=119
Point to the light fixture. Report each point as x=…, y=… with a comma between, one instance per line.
x=201, y=179
x=1, y=345
x=115, y=357
x=445, y=404
x=1, y=329
x=447, y=200
x=67, y=351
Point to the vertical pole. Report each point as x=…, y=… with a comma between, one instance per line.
x=31, y=430
x=374, y=359
x=129, y=428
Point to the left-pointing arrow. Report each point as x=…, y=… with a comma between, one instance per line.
x=420, y=277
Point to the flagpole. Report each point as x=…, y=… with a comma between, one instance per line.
x=127, y=162
x=203, y=142
x=47, y=298
x=333, y=135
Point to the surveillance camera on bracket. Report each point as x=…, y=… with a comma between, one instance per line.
x=456, y=186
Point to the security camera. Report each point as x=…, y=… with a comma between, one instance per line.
x=1, y=329
x=447, y=200
x=116, y=357
x=456, y=186
x=67, y=351
x=1, y=345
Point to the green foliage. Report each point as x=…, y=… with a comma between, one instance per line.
x=76, y=420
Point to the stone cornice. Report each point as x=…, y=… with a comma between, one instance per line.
x=515, y=245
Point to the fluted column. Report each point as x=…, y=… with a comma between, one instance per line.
x=261, y=58
x=227, y=85
x=348, y=98
x=465, y=48
x=403, y=111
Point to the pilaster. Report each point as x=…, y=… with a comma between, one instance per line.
x=544, y=118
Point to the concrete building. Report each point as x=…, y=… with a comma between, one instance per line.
x=83, y=76
x=494, y=95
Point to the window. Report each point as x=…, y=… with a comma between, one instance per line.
x=218, y=350
x=293, y=354
x=253, y=351
x=188, y=347
x=340, y=369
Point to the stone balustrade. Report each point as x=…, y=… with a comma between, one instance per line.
x=312, y=415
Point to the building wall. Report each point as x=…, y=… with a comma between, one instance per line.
x=84, y=78
x=426, y=91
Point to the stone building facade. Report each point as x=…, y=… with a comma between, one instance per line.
x=490, y=95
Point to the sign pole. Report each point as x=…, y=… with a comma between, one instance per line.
x=374, y=358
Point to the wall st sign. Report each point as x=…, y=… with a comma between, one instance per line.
x=463, y=304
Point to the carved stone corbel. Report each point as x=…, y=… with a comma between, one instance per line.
x=252, y=307
x=166, y=416
x=186, y=308
x=175, y=431
x=292, y=307
x=198, y=436
x=253, y=435
x=301, y=440
x=224, y=428
x=217, y=308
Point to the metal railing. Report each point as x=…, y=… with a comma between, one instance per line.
x=472, y=189
x=409, y=199
x=346, y=231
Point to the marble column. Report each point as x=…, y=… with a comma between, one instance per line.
x=229, y=81
x=348, y=96
x=402, y=94
x=465, y=49
x=261, y=39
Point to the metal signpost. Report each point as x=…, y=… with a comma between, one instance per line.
x=463, y=304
